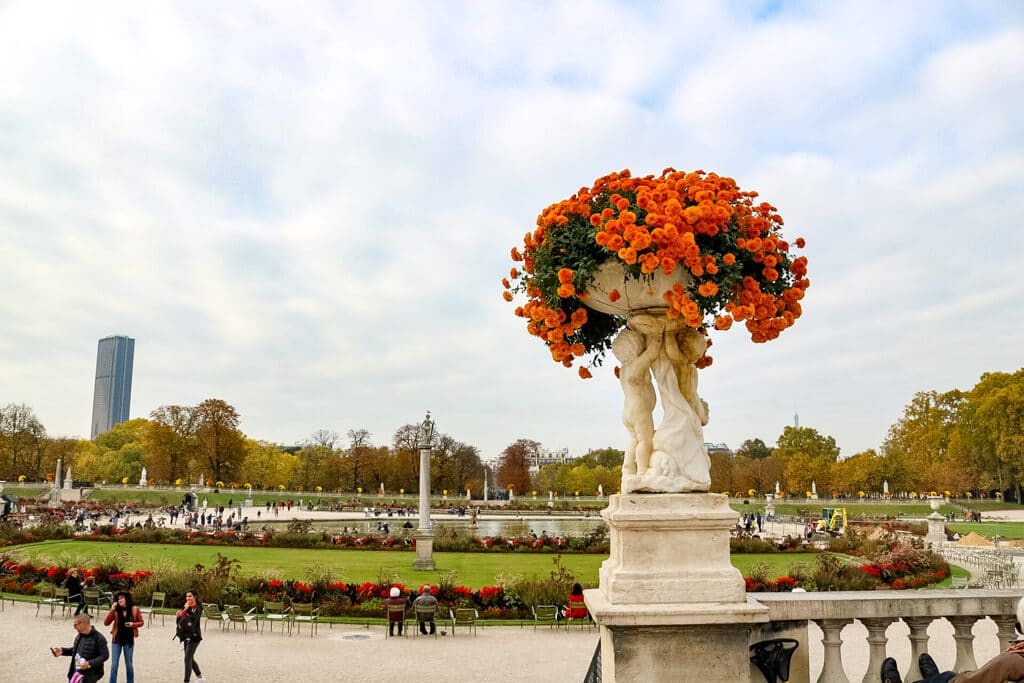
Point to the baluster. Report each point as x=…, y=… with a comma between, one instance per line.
x=876, y=646
x=918, y=643
x=832, y=670
x=1006, y=631
x=964, y=637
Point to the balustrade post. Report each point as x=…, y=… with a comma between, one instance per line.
x=1006, y=631
x=918, y=643
x=876, y=646
x=832, y=671
x=964, y=637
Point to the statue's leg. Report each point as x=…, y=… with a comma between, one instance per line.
x=629, y=459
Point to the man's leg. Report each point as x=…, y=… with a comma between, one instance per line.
x=1008, y=666
x=433, y=627
x=423, y=627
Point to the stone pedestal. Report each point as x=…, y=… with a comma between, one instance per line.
x=670, y=605
x=424, y=551
x=936, y=528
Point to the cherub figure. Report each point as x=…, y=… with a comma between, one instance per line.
x=636, y=355
x=684, y=349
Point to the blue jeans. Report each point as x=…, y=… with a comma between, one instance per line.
x=115, y=659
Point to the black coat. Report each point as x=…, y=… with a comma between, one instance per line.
x=93, y=647
x=74, y=586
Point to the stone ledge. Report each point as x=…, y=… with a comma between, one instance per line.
x=872, y=604
x=673, y=614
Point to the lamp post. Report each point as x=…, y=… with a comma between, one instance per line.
x=425, y=534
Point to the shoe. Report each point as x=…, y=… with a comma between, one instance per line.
x=200, y=680
x=927, y=665
x=890, y=672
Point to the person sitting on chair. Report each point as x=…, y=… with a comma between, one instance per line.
x=395, y=617
x=576, y=609
x=427, y=600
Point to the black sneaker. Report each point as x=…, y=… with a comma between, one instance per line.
x=890, y=672
x=927, y=665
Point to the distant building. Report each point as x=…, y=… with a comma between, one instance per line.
x=112, y=397
x=550, y=457
x=717, y=448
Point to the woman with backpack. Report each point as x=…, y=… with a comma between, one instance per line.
x=126, y=619
x=190, y=634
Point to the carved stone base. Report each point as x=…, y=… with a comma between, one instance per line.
x=670, y=548
x=424, y=552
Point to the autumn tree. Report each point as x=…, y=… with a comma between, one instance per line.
x=266, y=465
x=22, y=441
x=220, y=445
x=514, y=465
x=919, y=441
x=991, y=428
x=360, y=450
x=170, y=439
x=454, y=465
x=808, y=457
x=754, y=449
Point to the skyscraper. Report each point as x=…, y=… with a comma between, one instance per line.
x=113, y=395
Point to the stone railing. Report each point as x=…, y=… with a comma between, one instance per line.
x=791, y=613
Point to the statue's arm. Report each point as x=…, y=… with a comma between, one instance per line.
x=672, y=349
x=650, y=352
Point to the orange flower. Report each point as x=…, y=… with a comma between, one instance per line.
x=507, y=296
x=622, y=204
x=602, y=238
x=584, y=373
x=614, y=295
x=595, y=219
x=566, y=290
x=723, y=322
x=628, y=254
x=729, y=259
x=516, y=256
x=800, y=242
x=565, y=275
x=708, y=289
x=505, y=283
x=616, y=371
x=615, y=242
x=514, y=274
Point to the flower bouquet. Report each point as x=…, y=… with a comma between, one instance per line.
x=690, y=244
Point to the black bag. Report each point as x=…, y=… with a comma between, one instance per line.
x=186, y=627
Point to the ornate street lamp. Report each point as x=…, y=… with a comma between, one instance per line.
x=425, y=534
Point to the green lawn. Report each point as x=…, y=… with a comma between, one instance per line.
x=474, y=569
x=989, y=529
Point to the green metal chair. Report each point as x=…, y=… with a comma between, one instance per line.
x=465, y=617
x=545, y=614
x=158, y=601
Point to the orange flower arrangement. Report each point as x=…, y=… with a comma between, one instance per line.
x=741, y=268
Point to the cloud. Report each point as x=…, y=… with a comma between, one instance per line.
x=307, y=211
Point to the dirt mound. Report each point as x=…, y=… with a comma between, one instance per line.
x=976, y=540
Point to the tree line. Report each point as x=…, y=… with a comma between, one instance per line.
x=958, y=441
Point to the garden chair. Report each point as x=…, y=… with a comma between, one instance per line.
x=584, y=621
x=212, y=611
x=275, y=611
x=545, y=614
x=94, y=597
x=61, y=596
x=423, y=613
x=395, y=609
x=958, y=582
x=237, y=616
x=305, y=613
x=47, y=596
x=157, y=601
x=464, y=616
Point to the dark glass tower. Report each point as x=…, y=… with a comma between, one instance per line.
x=113, y=395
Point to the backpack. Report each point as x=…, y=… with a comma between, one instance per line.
x=186, y=627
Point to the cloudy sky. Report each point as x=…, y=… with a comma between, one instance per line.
x=306, y=208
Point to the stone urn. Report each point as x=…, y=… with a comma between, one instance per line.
x=635, y=295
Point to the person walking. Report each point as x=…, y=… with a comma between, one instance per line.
x=190, y=634
x=125, y=620
x=87, y=653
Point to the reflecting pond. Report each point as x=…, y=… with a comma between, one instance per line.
x=485, y=527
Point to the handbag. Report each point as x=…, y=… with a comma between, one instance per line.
x=77, y=678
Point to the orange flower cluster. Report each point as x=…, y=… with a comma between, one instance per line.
x=731, y=247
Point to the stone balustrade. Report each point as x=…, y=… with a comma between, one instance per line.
x=879, y=613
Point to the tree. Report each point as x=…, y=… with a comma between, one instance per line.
x=808, y=457
x=919, y=440
x=864, y=471
x=21, y=441
x=170, y=439
x=454, y=464
x=219, y=443
x=514, y=465
x=754, y=449
x=991, y=428
x=359, y=453
x=266, y=465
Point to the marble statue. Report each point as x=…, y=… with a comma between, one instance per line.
x=677, y=461
x=636, y=356
x=67, y=479
x=143, y=479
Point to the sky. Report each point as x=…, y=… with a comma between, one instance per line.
x=306, y=209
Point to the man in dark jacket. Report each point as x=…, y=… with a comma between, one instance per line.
x=426, y=601
x=88, y=652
